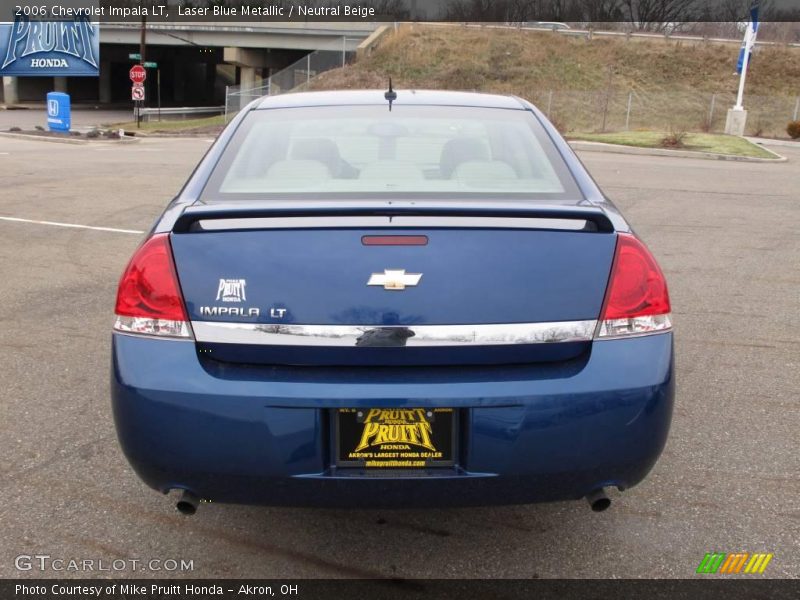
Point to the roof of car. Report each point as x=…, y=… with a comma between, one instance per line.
x=404, y=97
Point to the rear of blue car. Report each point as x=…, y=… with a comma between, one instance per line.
x=349, y=306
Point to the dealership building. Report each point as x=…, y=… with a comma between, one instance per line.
x=193, y=63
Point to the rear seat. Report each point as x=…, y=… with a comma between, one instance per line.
x=479, y=171
x=392, y=172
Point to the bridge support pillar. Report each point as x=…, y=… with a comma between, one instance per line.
x=211, y=79
x=178, y=82
x=10, y=93
x=104, y=83
x=247, y=77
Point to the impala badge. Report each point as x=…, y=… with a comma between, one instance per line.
x=394, y=279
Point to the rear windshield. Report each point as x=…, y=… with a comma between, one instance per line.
x=370, y=152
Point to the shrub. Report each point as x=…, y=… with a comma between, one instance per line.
x=14, y=129
x=759, y=128
x=559, y=124
x=93, y=134
x=674, y=139
x=793, y=129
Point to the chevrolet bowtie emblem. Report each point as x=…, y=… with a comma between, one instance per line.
x=394, y=279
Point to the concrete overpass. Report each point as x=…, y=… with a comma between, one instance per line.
x=195, y=61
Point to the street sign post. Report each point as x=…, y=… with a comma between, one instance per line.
x=137, y=92
x=138, y=58
x=138, y=74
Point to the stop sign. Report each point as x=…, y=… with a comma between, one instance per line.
x=138, y=74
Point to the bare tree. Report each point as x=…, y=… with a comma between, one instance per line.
x=732, y=10
x=397, y=9
x=599, y=10
x=509, y=11
x=476, y=10
x=659, y=15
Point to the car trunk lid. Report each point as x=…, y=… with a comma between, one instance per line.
x=393, y=289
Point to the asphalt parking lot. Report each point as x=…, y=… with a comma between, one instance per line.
x=726, y=234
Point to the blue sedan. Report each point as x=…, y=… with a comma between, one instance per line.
x=401, y=299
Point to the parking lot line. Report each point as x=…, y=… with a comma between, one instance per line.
x=72, y=225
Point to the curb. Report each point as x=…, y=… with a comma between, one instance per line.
x=163, y=134
x=770, y=142
x=620, y=149
x=66, y=140
x=42, y=138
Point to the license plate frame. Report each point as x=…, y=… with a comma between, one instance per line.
x=411, y=438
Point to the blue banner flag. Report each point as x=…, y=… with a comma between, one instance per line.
x=754, y=14
x=740, y=62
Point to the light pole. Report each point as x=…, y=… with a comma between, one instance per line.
x=750, y=38
x=737, y=116
x=142, y=48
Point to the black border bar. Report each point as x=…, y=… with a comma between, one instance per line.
x=703, y=587
x=634, y=12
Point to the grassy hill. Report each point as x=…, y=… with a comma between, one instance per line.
x=585, y=83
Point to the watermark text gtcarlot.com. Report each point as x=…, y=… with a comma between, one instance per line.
x=46, y=562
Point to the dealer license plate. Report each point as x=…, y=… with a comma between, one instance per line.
x=403, y=438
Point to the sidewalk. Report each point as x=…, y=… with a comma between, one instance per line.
x=27, y=116
x=772, y=142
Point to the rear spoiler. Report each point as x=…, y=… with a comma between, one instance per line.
x=239, y=216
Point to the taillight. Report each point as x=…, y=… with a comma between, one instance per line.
x=637, y=301
x=149, y=300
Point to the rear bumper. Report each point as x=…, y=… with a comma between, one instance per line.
x=263, y=435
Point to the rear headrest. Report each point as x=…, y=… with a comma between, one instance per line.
x=325, y=151
x=321, y=149
x=460, y=150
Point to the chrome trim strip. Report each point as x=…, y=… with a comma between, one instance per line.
x=152, y=337
x=378, y=336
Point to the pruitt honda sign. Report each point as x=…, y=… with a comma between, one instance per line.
x=50, y=48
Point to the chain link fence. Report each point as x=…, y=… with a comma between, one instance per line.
x=293, y=78
x=600, y=111
x=593, y=111
x=570, y=110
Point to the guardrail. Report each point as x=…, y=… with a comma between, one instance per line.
x=594, y=33
x=181, y=111
x=665, y=37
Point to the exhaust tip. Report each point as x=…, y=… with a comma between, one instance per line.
x=598, y=501
x=187, y=505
